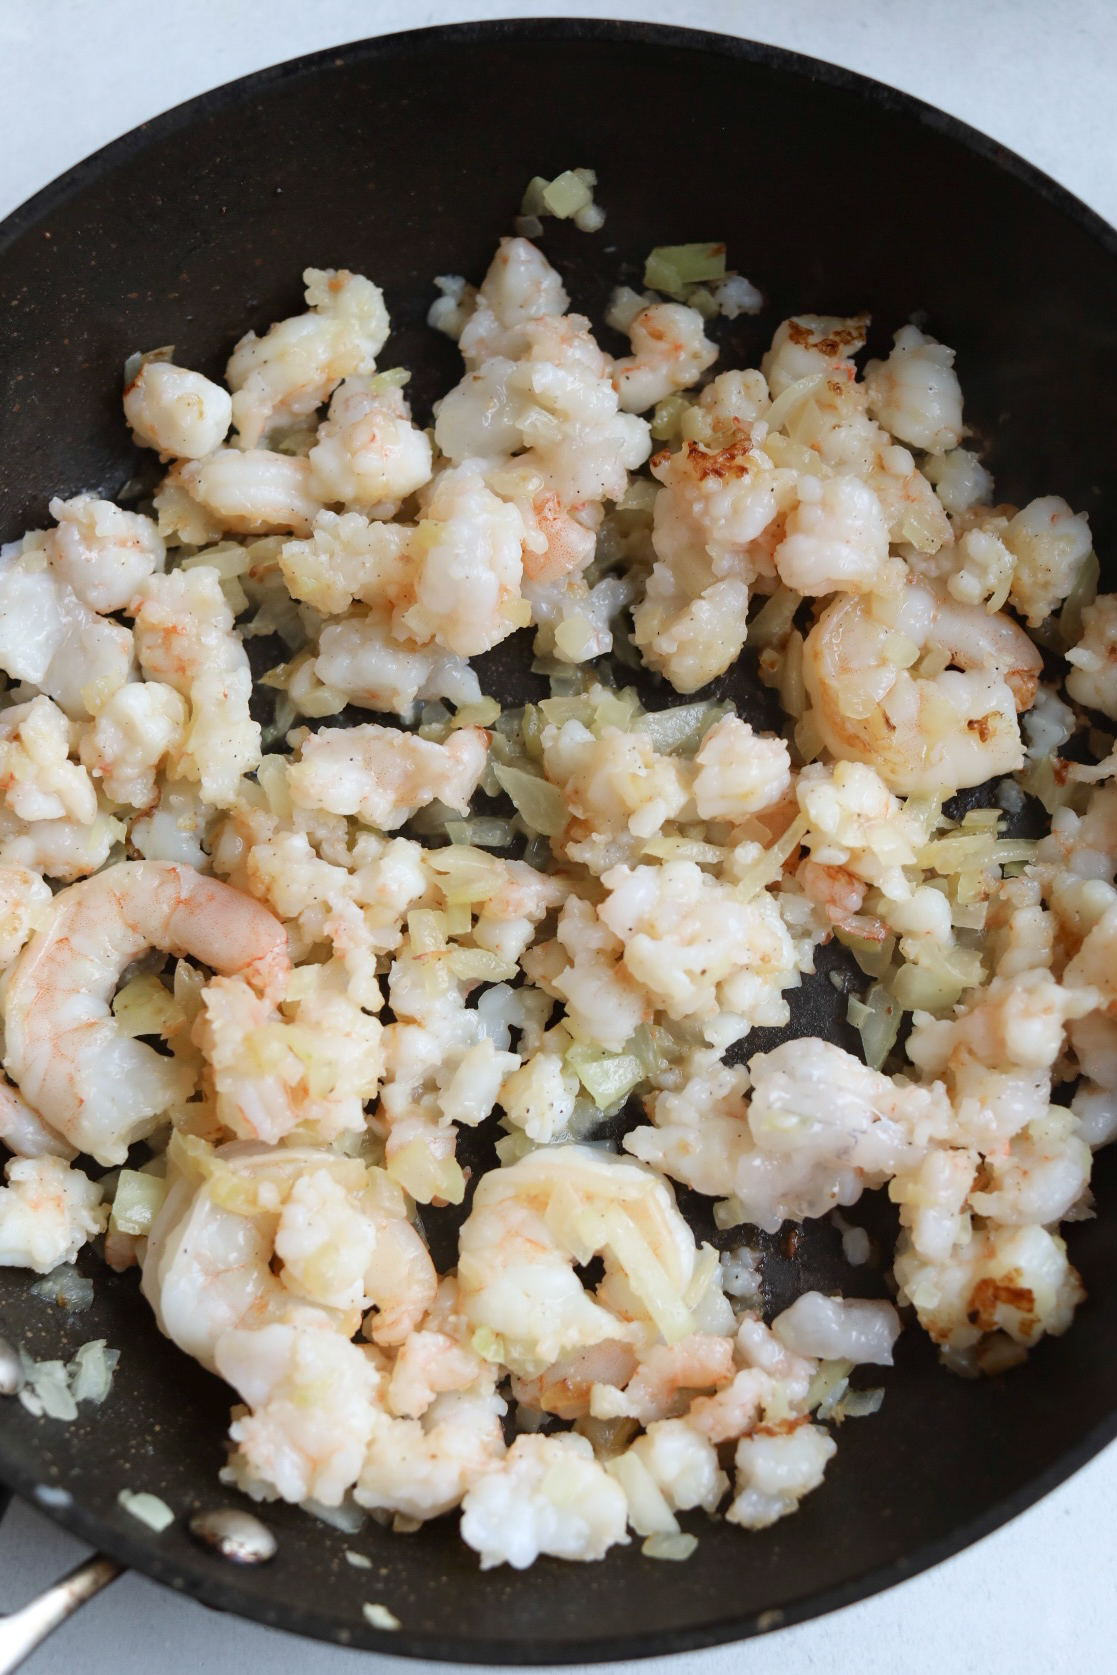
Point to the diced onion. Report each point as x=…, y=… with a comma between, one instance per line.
x=566, y=194
x=772, y=623
x=146, y=1007
x=1083, y=593
x=65, y=1288
x=828, y=1384
x=879, y=1026
x=648, y=1511
x=347, y=1517
x=785, y=404
x=681, y=727
x=675, y=1548
x=379, y=1616
x=771, y=863
x=149, y=1509
x=858, y=1404
x=539, y=804
x=608, y=1078
x=136, y=1202
x=426, y=1177
x=670, y=268
x=90, y=1372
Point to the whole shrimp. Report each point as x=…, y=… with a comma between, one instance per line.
x=252, y=1235
x=953, y=728
x=94, y=1085
x=531, y=1223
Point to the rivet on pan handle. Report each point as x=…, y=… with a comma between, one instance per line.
x=23, y=1630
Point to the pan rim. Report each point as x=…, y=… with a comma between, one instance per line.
x=143, y=1556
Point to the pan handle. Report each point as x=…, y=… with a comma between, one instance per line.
x=23, y=1630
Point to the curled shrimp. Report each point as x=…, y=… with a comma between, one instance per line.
x=89, y=1081
x=920, y=730
x=532, y=1222
x=251, y=1235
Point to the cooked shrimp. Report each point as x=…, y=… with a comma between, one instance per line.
x=531, y=1223
x=338, y=1232
x=422, y=1467
x=47, y=1212
x=368, y=452
x=24, y=1132
x=428, y=1365
x=101, y=552
x=254, y=493
x=179, y=413
x=666, y=1377
x=295, y=367
x=311, y=1395
x=955, y=728
x=915, y=393
x=669, y=351
x=555, y=543
x=95, y=1085
x=383, y=775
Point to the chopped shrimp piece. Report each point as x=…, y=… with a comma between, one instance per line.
x=775, y=1471
x=856, y=1329
x=383, y=775
x=710, y=524
x=835, y=538
x=185, y=637
x=1015, y=1280
x=368, y=453
x=666, y=1376
x=520, y=285
x=467, y=580
x=739, y=772
x=1049, y=543
x=422, y=1468
x=428, y=1365
x=50, y=637
x=24, y=1132
x=253, y=493
x=347, y=557
x=669, y=352
x=697, y=949
x=25, y=899
x=270, y=1075
x=548, y=1495
x=915, y=393
x=810, y=344
x=134, y=733
x=101, y=552
x=294, y=368
x=1093, y=677
x=179, y=413
x=96, y=1086
x=309, y=1391
x=47, y=1212
x=37, y=779
x=361, y=658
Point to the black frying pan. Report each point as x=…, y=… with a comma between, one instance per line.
x=405, y=157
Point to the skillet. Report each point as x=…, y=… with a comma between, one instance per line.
x=405, y=157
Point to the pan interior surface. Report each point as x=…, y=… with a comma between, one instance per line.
x=405, y=158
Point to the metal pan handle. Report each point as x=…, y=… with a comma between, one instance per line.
x=23, y=1630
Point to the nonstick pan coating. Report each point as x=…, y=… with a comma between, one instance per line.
x=405, y=157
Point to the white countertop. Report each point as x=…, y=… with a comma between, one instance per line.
x=1042, y=1593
